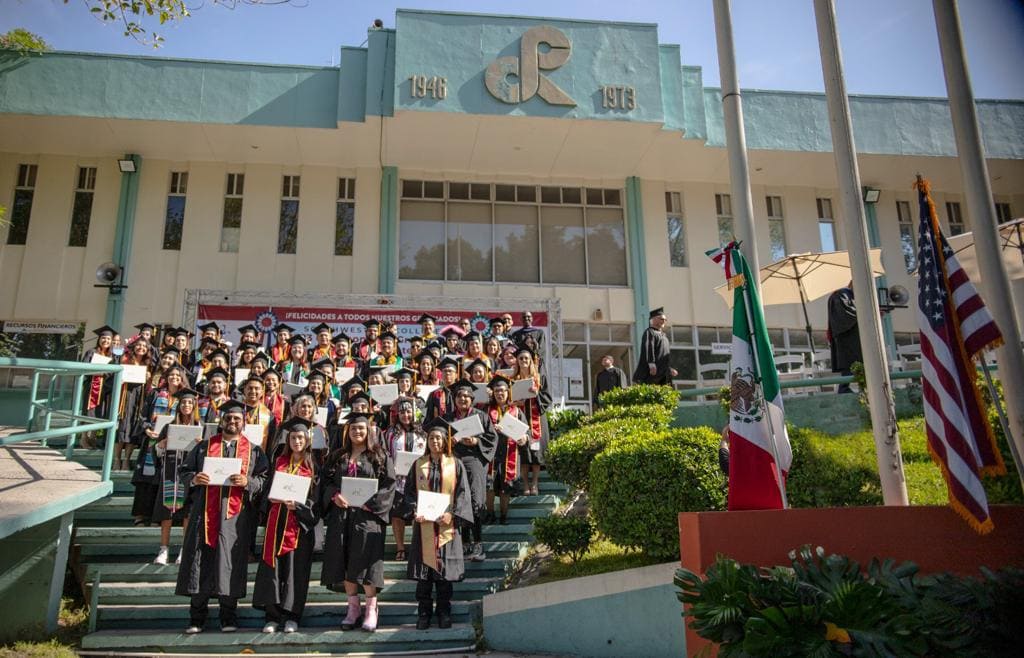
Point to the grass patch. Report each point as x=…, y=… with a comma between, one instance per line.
x=603, y=556
x=51, y=649
x=72, y=625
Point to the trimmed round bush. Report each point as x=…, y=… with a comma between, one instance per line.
x=560, y=422
x=663, y=396
x=569, y=456
x=638, y=486
x=657, y=415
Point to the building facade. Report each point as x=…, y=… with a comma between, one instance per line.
x=455, y=156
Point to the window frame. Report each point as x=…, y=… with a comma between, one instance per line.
x=346, y=197
x=776, y=219
x=176, y=189
x=909, y=258
x=291, y=187
x=955, y=208
x=827, y=218
x=234, y=189
x=85, y=192
x=674, y=212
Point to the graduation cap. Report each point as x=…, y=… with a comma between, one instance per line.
x=143, y=326
x=355, y=380
x=231, y=406
x=463, y=384
x=248, y=329
x=380, y=368
x=523, y=349
x=372, y=322
x=271, y=371
x=280, y=326
x=426, y=354
x=358, y=417
x=426, y=317
x=499, y=380
x=297, y=339
x=261, y=356
x=316, y=374
x=209, y=326
x=497, y=320
x=389, y=334
x=403, y=372
x=341, y=337
x=252, y=378
x=209, y=340
x=296, y=424
x=322, y=327
x=181, y=331
x=416, y=339
x=186, y=393
x=655, y=312
x=473, y=335
x=477, y=362
x=448, y=361
x=105, y=330
x=246, y=344
x=218, y=372
x=321, y=363
x=438, y=423
x=171, y=350
x=452, y=330
x=361, y=395
x=220, y=351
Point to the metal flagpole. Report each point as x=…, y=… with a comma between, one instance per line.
x=997, y=402
x=880, y=402
x=736, y=140
x=978, y=193
x=803, y=304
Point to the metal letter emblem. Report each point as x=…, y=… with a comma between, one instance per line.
x=527, y=68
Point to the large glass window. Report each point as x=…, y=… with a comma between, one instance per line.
x=723, y=208
x=81, y=212
x=231, y=224
x=907, y=243
x=676, y=234
x=1003, y=213
x=174, y=218
x=826, y=225
x=955, y=217
x=288, y=225
x=345, y=217
x=776, y=227
x=499, y=233
x=21, y=210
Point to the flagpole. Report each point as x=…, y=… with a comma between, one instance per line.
x=997, y=402
x=760, y=387
x=879, y=387
x=978, y=194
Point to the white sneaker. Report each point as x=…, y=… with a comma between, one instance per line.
x=161, y=556
x=290, y=627
x=478, y=554
x=271, y=627
x=192, y=630
x=180, y=553
x=230, y=628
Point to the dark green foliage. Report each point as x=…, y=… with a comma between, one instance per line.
x=829, y=606
x=664, y=396
x=639, y=485
x=832, y=471
x=657, y=415
x=565, y=535
x=560, y=422
x=568, y=458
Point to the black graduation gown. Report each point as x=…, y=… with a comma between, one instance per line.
x=156, y=474
x=538, y=405
x=842, y=326
x=654, y=348
x=102, y=410
x=130, y=416
x=434, y=404
x=450, y=557
x=354, y=548
x=220, y=571
x=609, y=379
x=476, y=458
x=531, y=337
x=287, y=584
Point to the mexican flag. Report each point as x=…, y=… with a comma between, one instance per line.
x=755, y=413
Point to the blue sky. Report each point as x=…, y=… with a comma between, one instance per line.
x=889, y=46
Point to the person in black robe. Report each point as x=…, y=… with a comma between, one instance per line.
x=282, y=578
x=653, y=363
x=130, y=407
x=440, y=402
x=354, y=550
x=476, y=453
x=529, y=335
x=97, y=388
x=844, y=338
x=222, y=522
x=442, y=563
x=610, y=378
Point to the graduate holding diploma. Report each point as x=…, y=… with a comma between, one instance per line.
x=222, y=522
x=435, y=555
x=354, y=550
x=506, y=464
x=534, y=408
x=402, y=436
x=282, y=578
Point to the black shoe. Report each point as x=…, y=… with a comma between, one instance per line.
x=444, y=620
x=504, y=520
x=423, y=622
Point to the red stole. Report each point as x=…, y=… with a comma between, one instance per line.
x=290, y=539
x=212, y=514
x=322, y=353
x=439, y=393
x=279, y=353
x=512, y=448
x=276, y=405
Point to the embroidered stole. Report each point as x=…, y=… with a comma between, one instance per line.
x=511, y=450
x=212, y=512
x=272, y=547
x=434, y=535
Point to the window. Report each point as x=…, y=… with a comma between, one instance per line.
x=1003, y=213
x=288, y=227
x=955, y=218
x=21, y=210
x=500, y=233
x=345, y=217
x=907, y=242
x=676, y=235
x=231, y=225
x=826, y=225
x=174, y=220
x=81, y=212
x=776, y=229
x=723, y=208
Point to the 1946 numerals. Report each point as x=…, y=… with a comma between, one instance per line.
x=434, y=86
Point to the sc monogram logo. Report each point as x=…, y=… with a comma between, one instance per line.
x=527, y=68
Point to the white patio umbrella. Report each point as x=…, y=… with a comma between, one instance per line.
x=800, y=278
x=1011, y=244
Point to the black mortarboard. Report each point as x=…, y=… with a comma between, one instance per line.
x=296, y=339
x=321, y=363
x=186, y=393
x=217, y=372
x=296, y=424
x=416, y=339
x=210, y=341
x=655, y=312
x=231, y=406
x=271, y=371
x=171, y=350
x=494, y=321
x=381, y=369
x=499, y=379
x=372, y=322
x=524, y=349
x=358, y=417
x=389, y=334
x=355, y=380
x=181, y=331
x=473, y=335
x=448, y=360
x=361, y=395
x=209, y=326
x=426, y=316
x=280, y=326
x=261, y=356
x=105, y=330
x=219, y=352
x=425, y=354
x=246, y=344
x=322, y=327
x=403, y=372
x=341, y=337
x=477, y=362
x=252, y=378
x=248, y=328
x=461, y=384
x=316, y=374
x=437, y=423
x=142, y=326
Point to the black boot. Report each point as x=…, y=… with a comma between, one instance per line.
x=423, y=621
x=444, y=620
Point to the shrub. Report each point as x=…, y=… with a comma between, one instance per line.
x=560, y=422
x=568, y=458
x=657, y=415
x=664, y=396
x=639, y=486
x=832, y=471
x=565, y=535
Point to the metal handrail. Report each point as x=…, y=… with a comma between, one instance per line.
x=79, y=423
x=799, y=383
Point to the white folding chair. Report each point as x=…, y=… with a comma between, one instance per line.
x=792, y=367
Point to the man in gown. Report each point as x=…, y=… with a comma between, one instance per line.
x=652, y=365
x=844, y=337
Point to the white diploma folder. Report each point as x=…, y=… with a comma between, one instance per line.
x=404, y=461
x=209, y=429
x=521, y=390
x=219, y=469
x=287, y=487
x=358, y=490
x=319, y=438
x=289, y=389
x=512, y=427
x=342, y=375
x=254, y=432
x=134, y=375
x=321, y=416
x=183, y=437
x=241, y=374
x=431, y=505
x=161, y=421
x=468, y=426
x=426, y=390
x=384, y=394
x=482, y=394
x=100, y=359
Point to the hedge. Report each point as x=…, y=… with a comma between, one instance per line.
x=664, y=396
x=639, y=486
x=658, y=416
x=569, y=456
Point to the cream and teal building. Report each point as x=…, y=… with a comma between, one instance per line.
x=456, y=156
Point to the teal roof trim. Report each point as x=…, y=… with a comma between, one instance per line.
x=693, y=103
x=672, y=101
x=352, y=76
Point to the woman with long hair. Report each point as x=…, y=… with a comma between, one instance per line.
x=304, y=407
x=492, y=350
x=426, y=369
x=146, y=478
x=354, y=551
x=534, y=409
x=403, y=435
x=282, y=578
x=130, y=408
x=405, y=379
x=505, y=468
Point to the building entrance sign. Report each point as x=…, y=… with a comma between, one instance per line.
x=527, y=67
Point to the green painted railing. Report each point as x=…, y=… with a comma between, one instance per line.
x=44, y=409
x=808, y=382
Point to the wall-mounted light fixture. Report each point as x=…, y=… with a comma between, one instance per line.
x=871, y=195
x=126, y=165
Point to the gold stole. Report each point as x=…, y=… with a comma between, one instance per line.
x=434, y=535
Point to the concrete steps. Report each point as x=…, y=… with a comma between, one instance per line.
x=136, y=610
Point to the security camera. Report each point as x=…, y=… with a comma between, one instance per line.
x=108, y=273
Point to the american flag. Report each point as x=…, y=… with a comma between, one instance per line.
x=955, y=328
